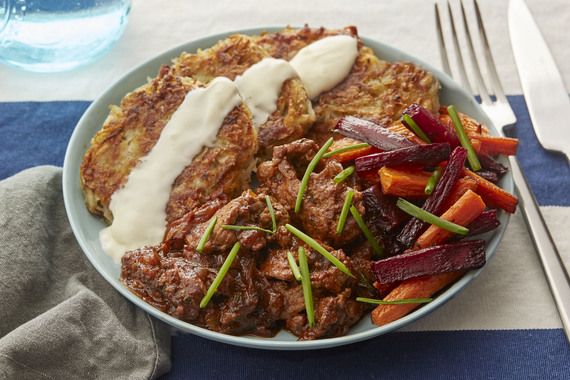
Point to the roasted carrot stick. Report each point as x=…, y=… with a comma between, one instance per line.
x=493, y=195
x=464, y=211
x=461, y=186
x=351, y=154
x=404, y=183
x=419, y=287
x=471, y=126
x=475, y=143
x=401, y=129
x=492, y=145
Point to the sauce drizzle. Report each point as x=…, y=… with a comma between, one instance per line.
x=139, y=207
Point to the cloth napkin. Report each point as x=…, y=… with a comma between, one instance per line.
x=59, y=319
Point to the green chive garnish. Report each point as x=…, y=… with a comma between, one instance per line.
x=319, y=248
x=271, y=212
x=415, y=128
x=394, y=302
x=345, y=149
x=344, y=211
x=463, y=139
x=245, y=228
x=206, y=235
x=378, y=251
x=306, y=282
x=433, y=179
x=343, y=175
x=293, y=265
x=220, y=276
x=430, y=218
x=310, y=169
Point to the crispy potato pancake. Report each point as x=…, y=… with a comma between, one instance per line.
x=132, y=129
x=286, y=43
x=232, y=57
x=228, y=58
x=375, y=89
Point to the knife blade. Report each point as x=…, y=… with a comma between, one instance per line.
x=543, y=88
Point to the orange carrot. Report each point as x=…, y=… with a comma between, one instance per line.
x=404, y=183
x=351, y=154
x=492, y=145
x=471, y=126
x=474, y=130
x=461, y=186
x=492, y=194
x=419, y=287
x=463, y=212
x=475, y=143
x=402, y=130
x=385, y=289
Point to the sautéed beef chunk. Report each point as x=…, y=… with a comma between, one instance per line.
x=323, y=199
x=259, y=294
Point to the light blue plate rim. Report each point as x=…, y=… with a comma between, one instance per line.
x=86, y=226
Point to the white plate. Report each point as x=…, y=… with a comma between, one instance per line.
x=86, y=226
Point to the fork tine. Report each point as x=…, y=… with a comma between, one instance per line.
x=458, y=56
x=489, y=61
x=441, y=42
x=483, y=93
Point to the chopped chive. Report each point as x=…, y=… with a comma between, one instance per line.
x=220, y=276
x=415, y=128
x=345, y=149
x=378, y=251
x=245, y=228
x=430, y=218
x=463, y=139
x=343, y=175
x=310, y=168
x=271, y=212
x=293, y=265
x=433, y=179
x=344, y=211
x=394, y=302
x=306, y=282
x=206, y=235
x=319, y=248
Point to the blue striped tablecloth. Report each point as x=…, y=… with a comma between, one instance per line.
x=36, y=133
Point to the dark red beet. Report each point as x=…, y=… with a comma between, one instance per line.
x=371, y=133
x=381, y=210
x=485, y=222
x=418, y=155
x=429, y=123
x=443, y=258
x=491, y=165
x=488, y=175
x=434, y=204
x=391, y=246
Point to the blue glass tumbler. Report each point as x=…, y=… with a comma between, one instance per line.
x=58, y=35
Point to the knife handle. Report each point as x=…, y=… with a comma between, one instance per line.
x=552, y=264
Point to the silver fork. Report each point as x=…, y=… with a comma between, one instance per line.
x=502, y=115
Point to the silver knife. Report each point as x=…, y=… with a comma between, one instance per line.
x=528, y=45
x=544, y=91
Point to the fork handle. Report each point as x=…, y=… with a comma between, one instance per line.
x=552, y=264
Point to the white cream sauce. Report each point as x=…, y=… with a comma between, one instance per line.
x=139, y=207
x=325, y=63
x=260, y=86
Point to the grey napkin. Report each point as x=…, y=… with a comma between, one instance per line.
x=59, y=319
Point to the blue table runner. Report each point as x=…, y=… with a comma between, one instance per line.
x=36, y=133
